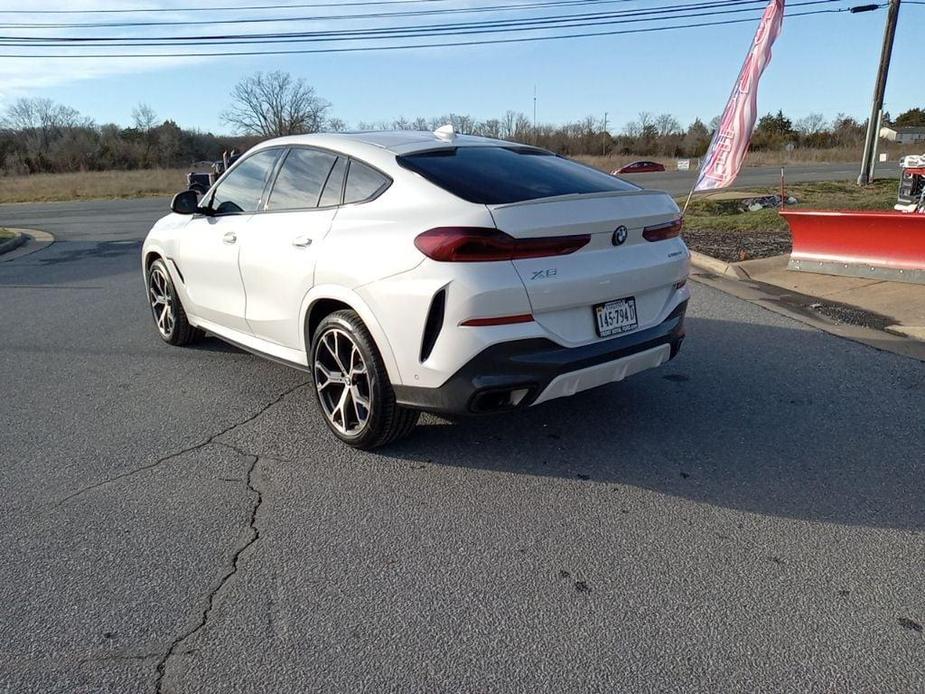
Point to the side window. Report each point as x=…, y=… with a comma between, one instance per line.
x=300, y=180
x=335, y=185
x=363, y=182
x=242, y=188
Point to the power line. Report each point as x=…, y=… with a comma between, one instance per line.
x=515, y=7
x=363, y=49
x=650, y=13
x=391, y=33
x=212, y=8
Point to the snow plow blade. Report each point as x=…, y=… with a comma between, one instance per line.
x=881, y=244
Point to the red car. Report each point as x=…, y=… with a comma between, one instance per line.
x=639, y=167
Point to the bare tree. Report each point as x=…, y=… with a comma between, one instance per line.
x=401, y=124
x=42, y=120
x=646, y=121
x=632, y=129
x=812, y=124
x=42, y=114
x=274, y=104
x=143, y=117
x=667, y=125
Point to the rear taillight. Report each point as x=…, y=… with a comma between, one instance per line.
x=478, y=245
x=499, y=320
x=660, y=232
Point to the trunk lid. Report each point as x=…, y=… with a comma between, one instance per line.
x=563, y=290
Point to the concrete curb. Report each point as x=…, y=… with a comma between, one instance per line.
x=27, y=241
x=916, y=332
x=908, y=341
x=18, y=239
x=716, y=266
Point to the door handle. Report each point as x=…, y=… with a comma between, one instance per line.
x=302, y=241
x=230, y=237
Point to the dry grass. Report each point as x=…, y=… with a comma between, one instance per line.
x=722, y=215
x=5, y=234
x=91, y=185
x=154, y=182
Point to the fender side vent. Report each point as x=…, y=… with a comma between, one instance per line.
x=177, y=268
x=434, y=324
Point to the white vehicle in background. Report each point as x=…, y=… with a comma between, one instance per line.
x=417, y=271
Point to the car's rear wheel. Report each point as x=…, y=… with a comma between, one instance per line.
x=169, y=316
x=352, y=384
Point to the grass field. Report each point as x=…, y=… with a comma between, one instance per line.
x=154, y=182
x=91, y=185
x=723, y=215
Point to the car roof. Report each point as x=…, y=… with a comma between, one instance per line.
x=397, y=142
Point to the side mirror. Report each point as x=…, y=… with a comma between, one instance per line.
x=186, y=202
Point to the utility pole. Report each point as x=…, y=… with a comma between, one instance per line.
x=873, y=124
x=604, y=137
x=534, y=114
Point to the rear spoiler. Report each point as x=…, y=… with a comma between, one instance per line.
x=642, y=192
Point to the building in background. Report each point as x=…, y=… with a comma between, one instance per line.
x=903, y=136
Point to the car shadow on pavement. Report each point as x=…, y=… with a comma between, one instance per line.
x=68, y=262
x=771, y=420
x=210, y=343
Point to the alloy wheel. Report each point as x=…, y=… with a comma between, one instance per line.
x=161, y=301
x=342, y=380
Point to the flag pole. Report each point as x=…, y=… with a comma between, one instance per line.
x=689, y=196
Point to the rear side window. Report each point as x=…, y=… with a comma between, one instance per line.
x=363, y=182
x=299, y=183
x=335, y=185
x=242, y=188
x=500, y=175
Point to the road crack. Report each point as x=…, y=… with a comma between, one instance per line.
x=253, y=534
x=190, y=449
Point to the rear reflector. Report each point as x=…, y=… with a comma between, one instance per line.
x=478, y=245
x=660, y=232
x=498, y=320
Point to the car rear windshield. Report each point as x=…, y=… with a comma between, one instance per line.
x=500, y=175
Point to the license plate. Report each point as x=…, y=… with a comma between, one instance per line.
x=616, y=317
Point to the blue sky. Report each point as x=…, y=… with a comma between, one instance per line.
x=822, y=64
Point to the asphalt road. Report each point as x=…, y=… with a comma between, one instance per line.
x=749, y=518
x=680, y=182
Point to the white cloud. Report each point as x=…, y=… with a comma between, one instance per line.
x=22, y=76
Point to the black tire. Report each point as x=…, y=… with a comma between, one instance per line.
x=177, y=330
x=385, y=421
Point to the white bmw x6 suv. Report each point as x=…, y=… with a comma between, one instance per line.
x=417, y=271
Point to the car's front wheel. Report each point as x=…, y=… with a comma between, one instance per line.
x=352, y=384
x=169, y=316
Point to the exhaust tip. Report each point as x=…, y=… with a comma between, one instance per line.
x=498, y=400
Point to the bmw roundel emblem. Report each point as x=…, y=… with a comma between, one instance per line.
x=619, y=235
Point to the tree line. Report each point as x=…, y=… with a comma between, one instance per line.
x=38, y=135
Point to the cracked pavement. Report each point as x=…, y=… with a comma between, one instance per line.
x=178, y=520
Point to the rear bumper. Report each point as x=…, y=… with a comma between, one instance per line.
x=517, y=374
